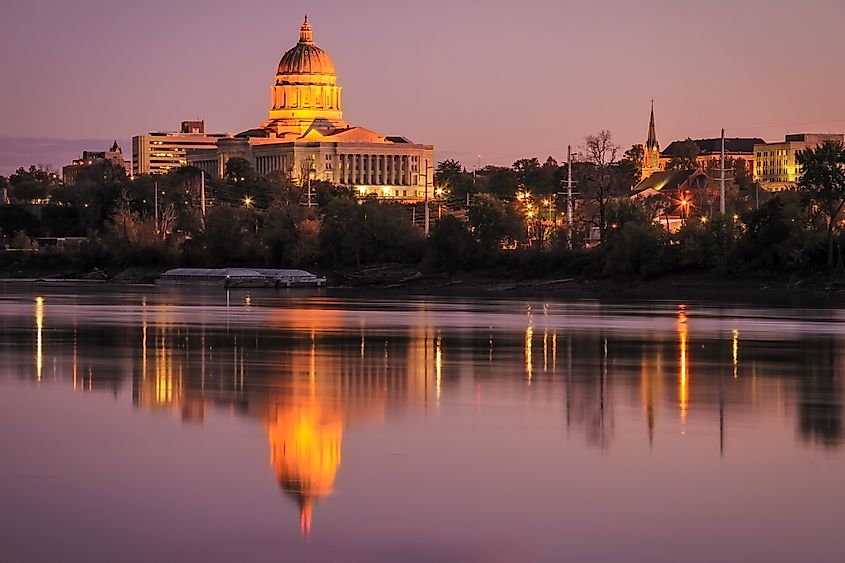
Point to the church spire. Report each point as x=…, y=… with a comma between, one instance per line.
x=651, y=150
x=305, y=34
x=651, y=143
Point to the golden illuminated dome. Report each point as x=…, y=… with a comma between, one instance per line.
x=305, y=60
x=305, y=94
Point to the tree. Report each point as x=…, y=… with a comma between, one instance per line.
x=33, y=184
x=600, y=151
x=499, y=180
x=230, y=235
x=451, y=175
x=242, y=185
x=342, y=237
x=763, y=244
x=823, y=184
x=493, y=221
x=447, y=170
x=634, y=157
x=450, y=245
x=684, y=156
x=15, y=218
x=528, y=172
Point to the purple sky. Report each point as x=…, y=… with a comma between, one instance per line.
x=470, y=77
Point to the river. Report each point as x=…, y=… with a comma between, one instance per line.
x=141, y=424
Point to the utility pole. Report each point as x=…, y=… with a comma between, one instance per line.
x=202, y=195
x=155, y=202
x=722, y=177
x=427, y=217
x=312, y=171
x=569, y=195
x=309, y=189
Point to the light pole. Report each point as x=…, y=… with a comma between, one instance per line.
x=439, y=193
x=684, y=209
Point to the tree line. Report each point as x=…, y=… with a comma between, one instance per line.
x=507, y=220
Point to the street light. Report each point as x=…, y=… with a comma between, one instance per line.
x=439, y=191
x=684, y=208
x=247, y=201
x=427, y=213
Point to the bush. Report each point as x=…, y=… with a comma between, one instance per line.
x=637, y=248
x=368, y=233
x=709, y=244
x=450, y=246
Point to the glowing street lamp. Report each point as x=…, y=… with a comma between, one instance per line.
x=684, y=208
x=247, y=201
x=438, y=192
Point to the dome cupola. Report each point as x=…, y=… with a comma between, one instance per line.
x=305, y=62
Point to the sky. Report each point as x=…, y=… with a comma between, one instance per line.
x=499, y=79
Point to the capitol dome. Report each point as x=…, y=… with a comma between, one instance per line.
x=305, y=91
x=306, y=59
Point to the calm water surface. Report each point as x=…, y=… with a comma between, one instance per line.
x=150, y=425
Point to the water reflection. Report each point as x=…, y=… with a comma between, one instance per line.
x=310, y=372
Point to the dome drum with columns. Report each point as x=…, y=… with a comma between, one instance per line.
x=307, y=137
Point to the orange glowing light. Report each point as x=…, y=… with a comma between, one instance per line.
x=683, y=376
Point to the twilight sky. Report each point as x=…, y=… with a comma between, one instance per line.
x=498, y=78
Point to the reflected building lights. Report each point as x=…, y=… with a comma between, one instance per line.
x=735, y=352
x=163, y=379
x=305, y=446
x=305, y=414
x=143, y=338
x=438, y=358
x=39, y=326
x=545, y=350
x=75, y=366
x=647, y=391
x=683, y=384
x=529, y=334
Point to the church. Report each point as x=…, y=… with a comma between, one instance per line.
x=307, y=138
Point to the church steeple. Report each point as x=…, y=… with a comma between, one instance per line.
x=651, y=150
x=651, y=143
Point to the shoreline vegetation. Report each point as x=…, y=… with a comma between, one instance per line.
x=496, y=231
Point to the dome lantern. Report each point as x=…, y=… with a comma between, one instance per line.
x=305, y=34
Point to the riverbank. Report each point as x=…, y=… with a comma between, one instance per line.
x=408, y=280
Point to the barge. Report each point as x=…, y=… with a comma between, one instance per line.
x=240, y=277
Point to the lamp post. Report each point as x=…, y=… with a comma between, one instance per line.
x=684, y=209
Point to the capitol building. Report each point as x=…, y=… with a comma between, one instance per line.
x=306, y=136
